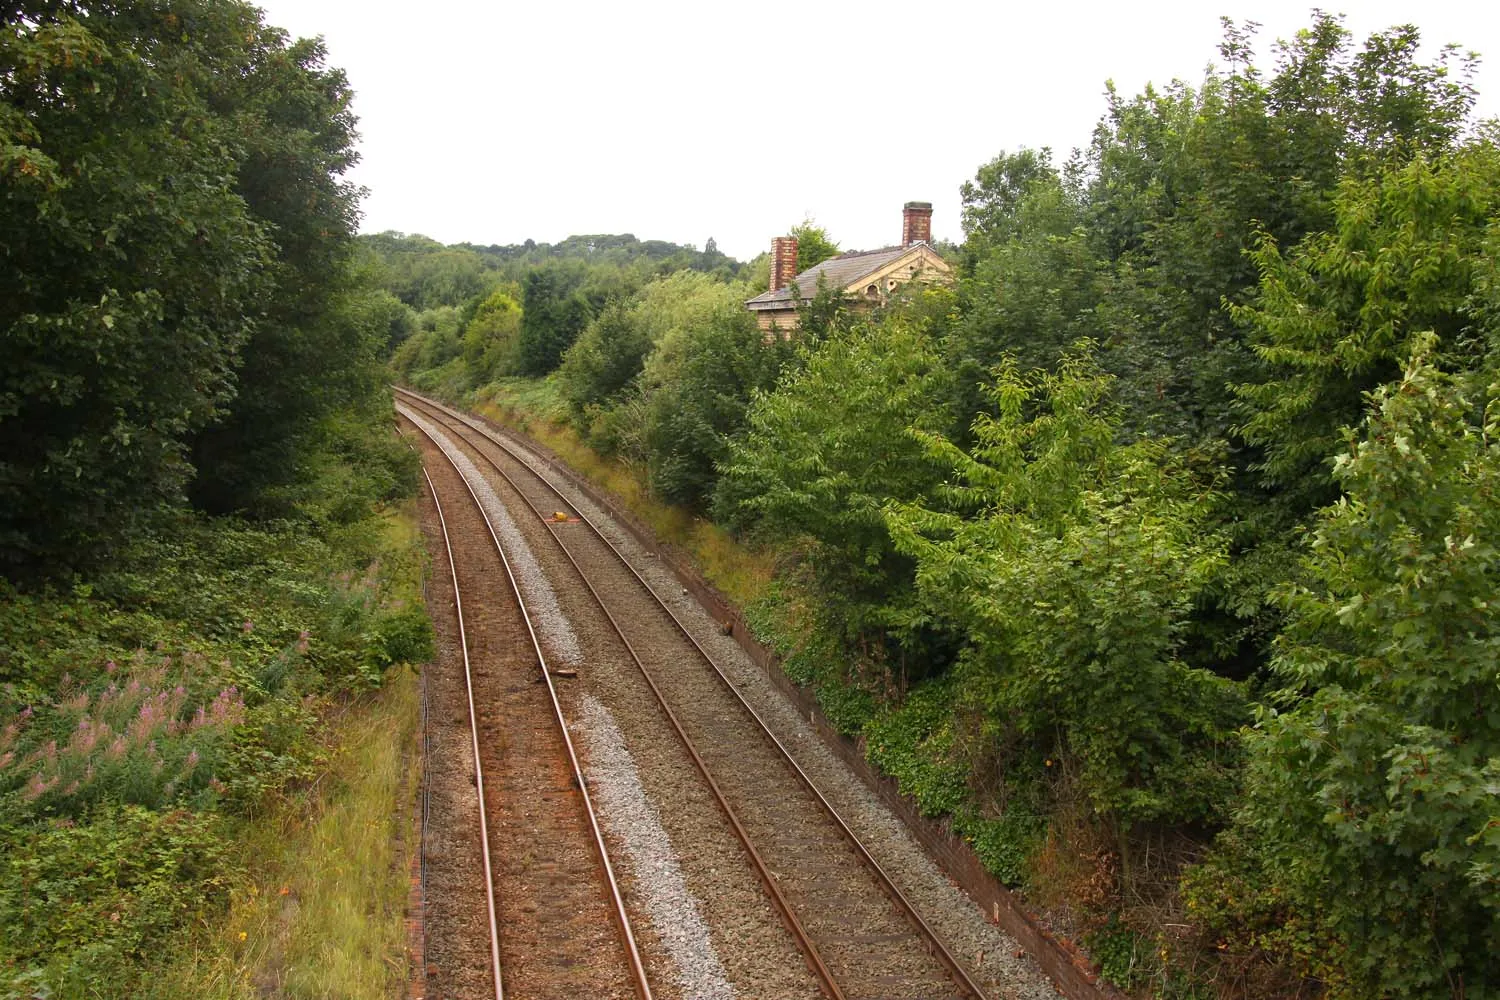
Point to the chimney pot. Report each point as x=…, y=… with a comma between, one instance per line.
x=783, y=261
x=916, y=223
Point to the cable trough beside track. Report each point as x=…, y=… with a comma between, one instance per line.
x=557, y=921
x=859, y=933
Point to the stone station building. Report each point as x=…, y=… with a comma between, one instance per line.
x=868, y=277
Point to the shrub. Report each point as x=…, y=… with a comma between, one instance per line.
x=81, y=904
x=1072, y=583
x=1377, y=773
x=137, y=736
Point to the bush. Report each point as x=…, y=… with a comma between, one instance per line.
x=137, y=735
x=1378, y=772
x=604, y=360
x=188, y=682
x=1005, y=846
x=832, y=443
x=83, y=904
x=705, y=386
x=1072, y=584
x=914, y=744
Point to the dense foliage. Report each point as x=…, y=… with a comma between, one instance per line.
x=1155, y=552
x=194, y=459
x=179, y=305
x=1375, y=768
x=148, y=714
x=1070, y=563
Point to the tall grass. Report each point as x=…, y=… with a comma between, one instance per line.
x=322, y=911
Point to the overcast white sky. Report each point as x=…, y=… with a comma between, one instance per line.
x=495, y=122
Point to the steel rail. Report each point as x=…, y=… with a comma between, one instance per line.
x=484, y=832
x=934, y=942
x=426, y=752
x=788, y=913
x=637, y=968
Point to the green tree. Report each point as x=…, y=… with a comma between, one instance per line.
x=134, y=266
x=663, y=319
x=553, y=314
x=307, y=355
x=425, y=274
x=1371, y=807
x=993, y=200
x=1183, y=181
x=492, y=337
x=701, y=390
x=1070, y=562
x=813, y=244
x=826, y=449
x=1335, y=316
x=435, y=344
x=604, y=359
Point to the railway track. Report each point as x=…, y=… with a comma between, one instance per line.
x=855, y=928
x=549, y=881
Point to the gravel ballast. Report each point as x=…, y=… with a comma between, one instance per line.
x=751, y=940
x=648, y=857
x=989, y=954
x=541, y=600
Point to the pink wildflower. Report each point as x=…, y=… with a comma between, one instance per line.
x=37, y=787
x=87, y=736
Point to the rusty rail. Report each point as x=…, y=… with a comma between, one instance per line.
x=484, y=833
x=637, y=968
x=934, y=941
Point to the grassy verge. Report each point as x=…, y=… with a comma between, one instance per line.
x=321, y=910
x=533, y=407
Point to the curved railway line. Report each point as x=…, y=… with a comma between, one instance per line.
x=857, y=931
x=543, y=815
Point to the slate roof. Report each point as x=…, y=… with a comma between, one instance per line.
x=841, y=272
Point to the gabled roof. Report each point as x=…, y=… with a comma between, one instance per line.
x=840, y=272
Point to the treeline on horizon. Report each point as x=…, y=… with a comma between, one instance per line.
x=1158, y=551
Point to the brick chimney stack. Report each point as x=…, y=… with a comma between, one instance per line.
x=916, y=223
x=783, y=261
